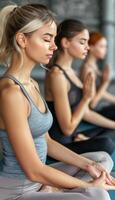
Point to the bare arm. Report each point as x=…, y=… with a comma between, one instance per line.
x=68, y=121
x=101, y=91
x=109, y=97
x=55, y=150
x=14, y=114
x=24, y=148
x=97, y=119
x=99, y=94
x=94, y=169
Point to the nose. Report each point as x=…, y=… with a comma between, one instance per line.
x=87, y=47
x=53, y=46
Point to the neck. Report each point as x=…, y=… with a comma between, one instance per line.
x=65, y=61
x=23, y=73
x=92, y=59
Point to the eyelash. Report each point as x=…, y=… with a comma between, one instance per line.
x=46, y=40
x=82, y=43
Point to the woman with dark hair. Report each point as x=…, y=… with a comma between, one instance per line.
x=68, y=99
x=26, y=39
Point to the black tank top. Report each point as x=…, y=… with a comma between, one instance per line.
x=74, y=95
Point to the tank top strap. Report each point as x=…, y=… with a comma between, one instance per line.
x=41, y=96
x=66, y=75
x=18, y=83
x=25, y=91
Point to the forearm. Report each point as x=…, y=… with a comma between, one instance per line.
x=99, y=95
x=99, y=120
x=79, y=111
x=49, y=176
x=109, y=97
x=55, y=151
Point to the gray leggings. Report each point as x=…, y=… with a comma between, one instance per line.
x=72, y=194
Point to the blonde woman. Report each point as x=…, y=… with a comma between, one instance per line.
x=26, y=39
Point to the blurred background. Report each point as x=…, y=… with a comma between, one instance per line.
x=96, y=14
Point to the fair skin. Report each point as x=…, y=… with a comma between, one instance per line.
x=57, y=87
x=98, y=51
x=36, y=49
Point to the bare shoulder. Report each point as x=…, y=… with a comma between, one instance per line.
x=56, y=74
x=56, y=81
x=88, y=69
x=10, y=92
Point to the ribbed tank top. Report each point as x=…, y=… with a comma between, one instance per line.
x=39, y=124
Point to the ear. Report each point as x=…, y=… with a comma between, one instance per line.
x=65, y=43
x=21, y=40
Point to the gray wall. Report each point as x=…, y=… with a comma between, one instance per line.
x=86, y=10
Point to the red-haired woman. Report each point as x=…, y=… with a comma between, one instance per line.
x=98, y=50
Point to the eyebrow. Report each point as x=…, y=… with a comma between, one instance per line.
x=49, y=34
x=83, y=39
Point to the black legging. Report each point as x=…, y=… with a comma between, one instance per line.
x=101, y=138
x=109, y=112
x=100, y=141
x=97, y=143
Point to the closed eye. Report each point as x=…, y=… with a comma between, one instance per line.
x=46, y=40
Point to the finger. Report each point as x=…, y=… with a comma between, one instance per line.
x=109, y=187
x=102, y=177
x=110, y=178
x=108, y=181
x=88, y=77
x=93, y=171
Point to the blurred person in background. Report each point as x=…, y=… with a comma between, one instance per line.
x=69, y=99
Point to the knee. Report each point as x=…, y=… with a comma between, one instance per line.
x=103, y=194
x=107, y=145
x=106, y=160
x=95, y=194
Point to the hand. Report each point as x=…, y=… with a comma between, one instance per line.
x=49, y=189
x=94, y=103
x=101, y=183
x=96, y=169
x=88, y=87
x=106, y=74
x=80, y=137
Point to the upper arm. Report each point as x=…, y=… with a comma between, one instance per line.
x=86, y=70
x=14, y=116
x=59, y=92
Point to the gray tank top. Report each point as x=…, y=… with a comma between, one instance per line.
x=39, y=124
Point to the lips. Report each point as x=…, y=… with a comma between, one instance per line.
x=85, y=53
x=49, y=55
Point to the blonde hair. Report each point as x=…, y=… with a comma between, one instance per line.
x=25, y=19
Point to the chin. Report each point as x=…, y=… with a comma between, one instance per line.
x=101, y=57
x=82, y=57
x=45, y=62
